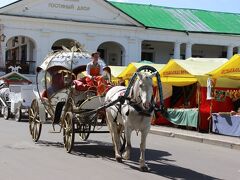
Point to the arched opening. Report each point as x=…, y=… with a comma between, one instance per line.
x=157, y=51
x=112, y=53
x=21, y=52
x=68, y=43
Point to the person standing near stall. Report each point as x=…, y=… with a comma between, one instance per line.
x=236, y=106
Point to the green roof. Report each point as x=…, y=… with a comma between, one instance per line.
x=179, y=19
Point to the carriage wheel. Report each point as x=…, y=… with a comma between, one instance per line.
x=68, y=132
x=85, y=128
x=18, y=114
x=35, y=125
x=6, y=112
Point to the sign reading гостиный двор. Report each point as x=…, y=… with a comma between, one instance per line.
x=69, y=6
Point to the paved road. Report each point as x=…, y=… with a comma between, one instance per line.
x=168, y=158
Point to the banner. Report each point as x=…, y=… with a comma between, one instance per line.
x=210, y=88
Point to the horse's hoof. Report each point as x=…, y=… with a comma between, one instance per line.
x=126, y=156
x=144, y=169
x=119, y=159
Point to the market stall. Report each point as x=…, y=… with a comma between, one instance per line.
x=15, y=78
x=188, y=78
x=227, y=121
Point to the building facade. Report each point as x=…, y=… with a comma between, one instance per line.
x=30, y=29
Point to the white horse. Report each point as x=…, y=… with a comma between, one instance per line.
x=134, y=114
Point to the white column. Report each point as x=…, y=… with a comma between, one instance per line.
x=177, y=49
x=43, y=48
x=133, y=45
x=188, y=52
x=229, y=51
x=2, y=55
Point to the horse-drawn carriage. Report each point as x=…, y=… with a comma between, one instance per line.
x=58, y=98
x=80, y=110
x=15, y=99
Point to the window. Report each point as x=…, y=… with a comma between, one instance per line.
x=148, y=56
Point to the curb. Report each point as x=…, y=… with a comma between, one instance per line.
x=195, y=138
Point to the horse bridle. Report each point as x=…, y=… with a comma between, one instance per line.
x=136, y=104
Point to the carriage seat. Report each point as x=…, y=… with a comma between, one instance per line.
x=81, y=85
x=98, y=84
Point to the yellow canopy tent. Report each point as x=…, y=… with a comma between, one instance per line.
x=185, y=72
x=231, y=69
x=115, y=72
x=132, y=68
x=228, y=74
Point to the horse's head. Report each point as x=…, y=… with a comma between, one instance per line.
x=143, y=90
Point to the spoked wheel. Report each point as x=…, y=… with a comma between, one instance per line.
x=6, y=112
x=35, y=125
x=18, y=114
x=68, y=132
x=84, y=128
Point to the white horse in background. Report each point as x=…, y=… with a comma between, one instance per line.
x=134, y=114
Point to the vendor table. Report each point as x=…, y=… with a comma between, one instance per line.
x=183, y=117
x=226, y=124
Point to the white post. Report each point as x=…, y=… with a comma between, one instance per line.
x=229, y=51
x=188, y=52
x=2, y=50
x=177, y=49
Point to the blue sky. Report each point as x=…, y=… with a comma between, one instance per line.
x=213, y=5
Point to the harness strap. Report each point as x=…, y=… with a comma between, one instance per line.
x=140, y=110
x=118, y=106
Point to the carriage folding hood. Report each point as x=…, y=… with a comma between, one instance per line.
x=67, y=59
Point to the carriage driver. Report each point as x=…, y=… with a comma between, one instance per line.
x=94, y=71
x=95, y=68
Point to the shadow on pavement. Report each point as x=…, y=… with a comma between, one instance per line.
x=50, y=144
x=157, y=160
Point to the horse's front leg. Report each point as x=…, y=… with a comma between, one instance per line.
x=113, y=128
x=128, y=132
x=143, y=166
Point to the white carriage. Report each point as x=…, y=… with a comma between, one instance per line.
x=20, y=98
x=15, y=100
x=57, y=99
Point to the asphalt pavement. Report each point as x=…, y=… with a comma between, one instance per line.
x=193, y=135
